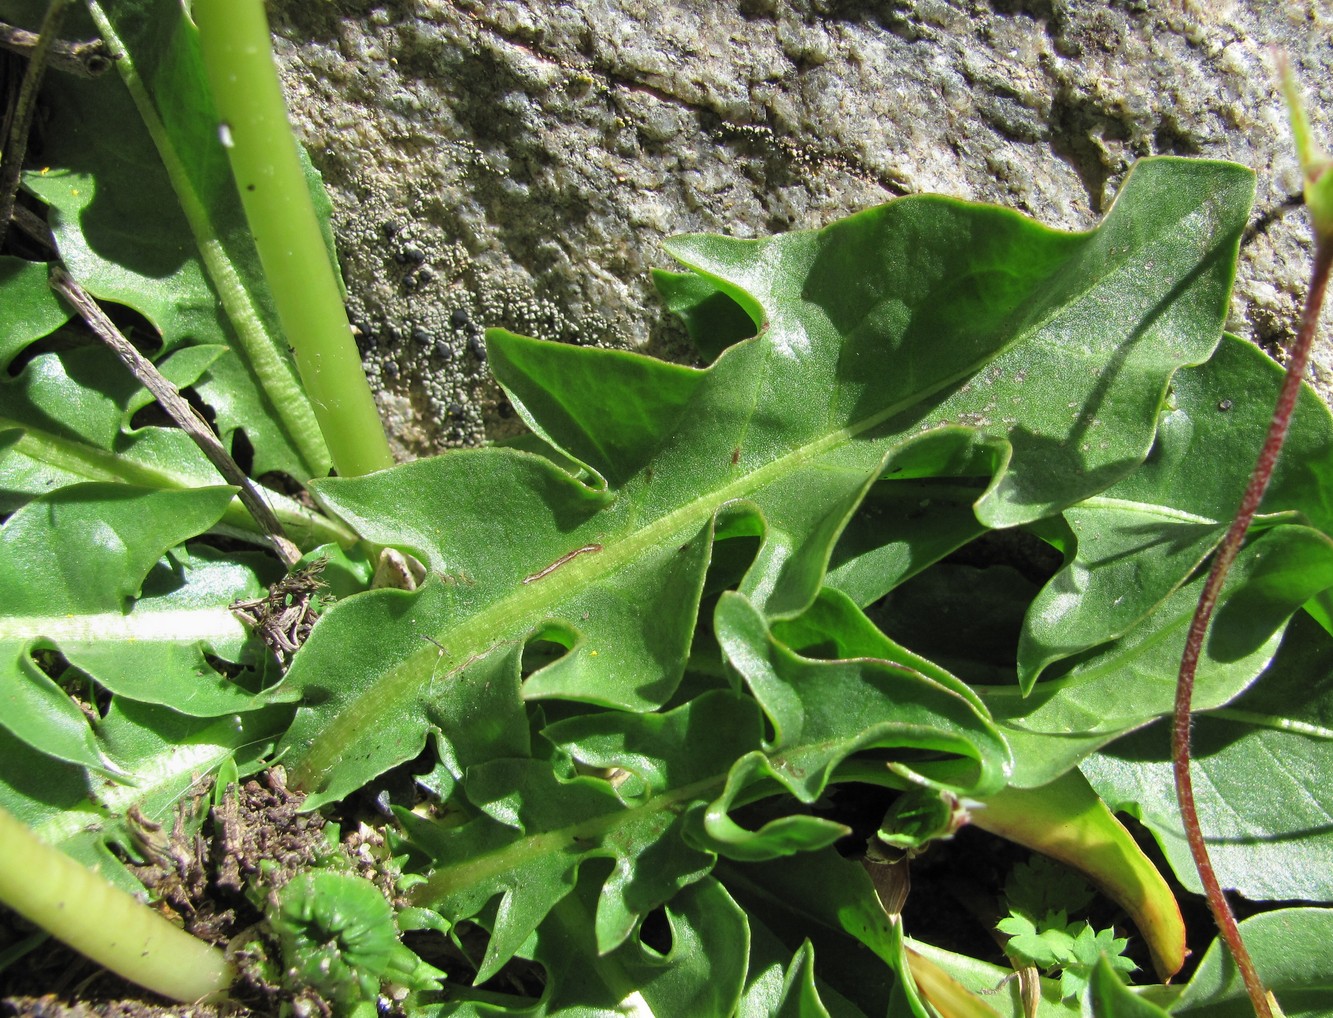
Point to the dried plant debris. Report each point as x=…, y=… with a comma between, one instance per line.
x=175, y=870
x=262, y=822
x=286, y=615
x=50, y=1005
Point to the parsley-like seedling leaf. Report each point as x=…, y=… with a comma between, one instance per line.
x=1039, y=886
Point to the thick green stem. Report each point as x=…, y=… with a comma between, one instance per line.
x=234, y=39
x=272, y=370
x=103, y=922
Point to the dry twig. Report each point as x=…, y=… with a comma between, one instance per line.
x=170, y=399
x=84, y=59
x=16, y=143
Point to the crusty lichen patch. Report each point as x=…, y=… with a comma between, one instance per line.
x=517, y=164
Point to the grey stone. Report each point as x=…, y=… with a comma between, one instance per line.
x=517, y=163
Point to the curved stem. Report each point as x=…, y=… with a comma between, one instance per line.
x=104, y=923
x=1222, y=561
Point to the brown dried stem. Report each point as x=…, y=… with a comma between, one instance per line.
x=185, y=416
x=85, y=59
x=16, y=144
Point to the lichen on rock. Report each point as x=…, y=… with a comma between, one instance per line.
x=518, y=163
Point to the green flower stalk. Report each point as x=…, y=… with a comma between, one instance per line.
x=104, y=923
x=234, y=39
x=272, y=370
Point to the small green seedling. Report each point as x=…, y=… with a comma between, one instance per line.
x=1040, y=895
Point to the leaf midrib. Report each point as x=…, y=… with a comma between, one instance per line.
x=93, y=464
x=475, y=637
x=174, y=625
x=482, y=867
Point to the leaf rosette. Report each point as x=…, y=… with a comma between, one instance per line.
x=568, y=580
x=902, y=342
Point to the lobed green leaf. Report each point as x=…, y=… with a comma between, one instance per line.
x=925, y=313
x=1143, y=537
x=1131, y=681
x=72, y=413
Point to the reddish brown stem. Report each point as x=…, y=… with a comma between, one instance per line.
x=1226, y=555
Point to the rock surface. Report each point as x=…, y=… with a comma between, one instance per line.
x=517, y=163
